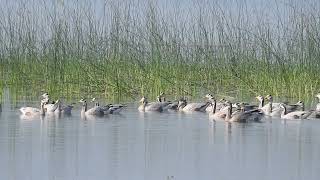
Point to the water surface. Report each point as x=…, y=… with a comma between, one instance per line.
x=155, y=146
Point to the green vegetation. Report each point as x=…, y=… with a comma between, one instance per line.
x=125, y=52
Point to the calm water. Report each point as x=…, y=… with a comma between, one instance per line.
x=155, y=146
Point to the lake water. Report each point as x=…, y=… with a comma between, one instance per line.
x=155, y=146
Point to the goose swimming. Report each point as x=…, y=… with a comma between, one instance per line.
x=95, y=111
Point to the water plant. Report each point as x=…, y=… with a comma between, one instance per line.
x=121, y=50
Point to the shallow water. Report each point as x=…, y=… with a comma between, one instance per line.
x=155, y=146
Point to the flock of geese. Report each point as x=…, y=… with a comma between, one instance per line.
x=222, y=110
x=48, y=107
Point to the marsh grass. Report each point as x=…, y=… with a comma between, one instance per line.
x=127, y=52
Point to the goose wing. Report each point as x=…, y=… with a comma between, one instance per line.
x=155, y=106
x=116, y=108
x=29, y=110
x=51, y=107
x=247, y=116
x=196, y=107
x=297, y=115
x=97, y=111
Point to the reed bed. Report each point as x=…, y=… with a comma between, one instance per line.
x=131, y=48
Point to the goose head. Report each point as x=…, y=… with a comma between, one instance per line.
x=94, y=100
x=301, y=104
x=260, y=98
x=159, y=98
x=162, y=97
x=45, y=95
x=318, y=96
x=143, y=100
x=182, y=103
x=269, y=98
x=209, y=96
x=83, y=100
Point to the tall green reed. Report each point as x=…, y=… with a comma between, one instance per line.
x=130, y=51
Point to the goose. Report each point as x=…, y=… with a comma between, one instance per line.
x=244, y=106
x=217, y=114
x=113, y=108
x=318, y=105
x=295, y=114
x=162, y=97
x=219, y=105
x=95, y=111
x=145, y=106
x=45, y=95
x=31, y=111
x=271, y=109
x=51, y=108
x=64, y=109
x=191, y=107
x=275, y=110
x=109, y=108
x=167, y=105
x=254, y=115
x=46, y=98
x=316, y=113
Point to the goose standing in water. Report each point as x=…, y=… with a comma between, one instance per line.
x=243, y=116
x=154, y=106
x=31, y=111
x=95, y=111
x=192, y=107
x=294, y=115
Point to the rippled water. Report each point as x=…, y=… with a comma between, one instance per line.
x=155, y=146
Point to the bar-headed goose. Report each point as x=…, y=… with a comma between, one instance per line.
x=316, y=113
x=191, y=107
x=318, y=104
x=51, y=108
x=31, y=111
x=113, y=108
x=166, y=105
x=95, y=111
x=294, y=115
x=219, y=105
x=243, y=116
x=217, y=115
x=64, y=109
x=154, y=106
